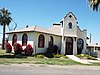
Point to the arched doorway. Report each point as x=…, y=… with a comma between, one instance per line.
x=69, y=46
x=80, y=45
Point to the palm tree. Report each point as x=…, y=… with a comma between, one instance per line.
x=94, y=4
x=5, y=19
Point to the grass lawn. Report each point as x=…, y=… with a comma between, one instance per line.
x=7, y=58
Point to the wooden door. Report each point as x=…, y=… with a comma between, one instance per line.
x=69, y=46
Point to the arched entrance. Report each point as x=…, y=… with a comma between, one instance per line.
x=80, y=45
x=69, y=46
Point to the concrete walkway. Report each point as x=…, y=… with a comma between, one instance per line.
x=77, y=59
x=83, y=61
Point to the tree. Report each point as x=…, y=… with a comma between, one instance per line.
x=94, y=4
x=5, y=19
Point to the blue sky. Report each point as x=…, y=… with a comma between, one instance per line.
x=45, y=12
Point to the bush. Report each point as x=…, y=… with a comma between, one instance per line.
x=49, y=55
x=86, y=56
x=58, y=55
x=39, y=56
x=81, y=55
x=53, y=50
x=8, y=48
x=65, y=57
x=28, y=50
x=17, y=48
x=92, y=58
x=49, y=50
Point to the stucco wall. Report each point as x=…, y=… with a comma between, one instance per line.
x=33, y=40
x=68, y=31
x=19, y=37
x=57, y=41
x=83, y=35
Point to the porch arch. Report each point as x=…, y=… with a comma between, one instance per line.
x=80, y=45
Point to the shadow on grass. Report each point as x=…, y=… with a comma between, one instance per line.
x=12, y=56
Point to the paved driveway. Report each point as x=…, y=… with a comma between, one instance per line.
x=48, y=70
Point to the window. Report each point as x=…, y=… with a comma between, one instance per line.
x=70, y=25
x=80, y=45
x=51, y=42
x=14, y=39
x=70, y=16
x=41, y=41
x=24, y=39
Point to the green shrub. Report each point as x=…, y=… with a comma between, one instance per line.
x=58, y=55
x=92, y=58
x=49, y=55
x=65, y=57
x=80, y=55
x=40, y=56
x=89, y=57
x=86, y=56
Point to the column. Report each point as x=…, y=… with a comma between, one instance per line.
x=74, y=46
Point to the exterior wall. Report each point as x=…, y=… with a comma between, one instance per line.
x=75, y=33
x=98, y=53
x=94, y=48
x=68, y=31
x=74, y=46
x=57, y=41
x=33, y=40
x=19, y=38
x=82, y=35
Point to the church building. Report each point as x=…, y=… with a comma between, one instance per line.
x=69, y=38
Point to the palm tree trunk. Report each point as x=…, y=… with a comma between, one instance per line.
x=3, y=40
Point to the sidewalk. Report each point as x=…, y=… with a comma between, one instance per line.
x=82, y=61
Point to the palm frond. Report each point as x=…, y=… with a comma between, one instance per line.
x=94, y=4
x=5, y=18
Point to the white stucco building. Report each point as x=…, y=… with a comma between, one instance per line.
x=65, y=34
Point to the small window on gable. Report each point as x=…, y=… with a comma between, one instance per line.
x=70, y=25
x=70, y=16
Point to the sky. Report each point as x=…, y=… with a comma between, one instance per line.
x=46, y=12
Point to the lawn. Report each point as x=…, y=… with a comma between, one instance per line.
x=8, y=58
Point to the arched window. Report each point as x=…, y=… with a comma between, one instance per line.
x=14, y=39
x=41, y=41
x=51, y=42
x=80, y=45
x=24, y=39
x=70, y=25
